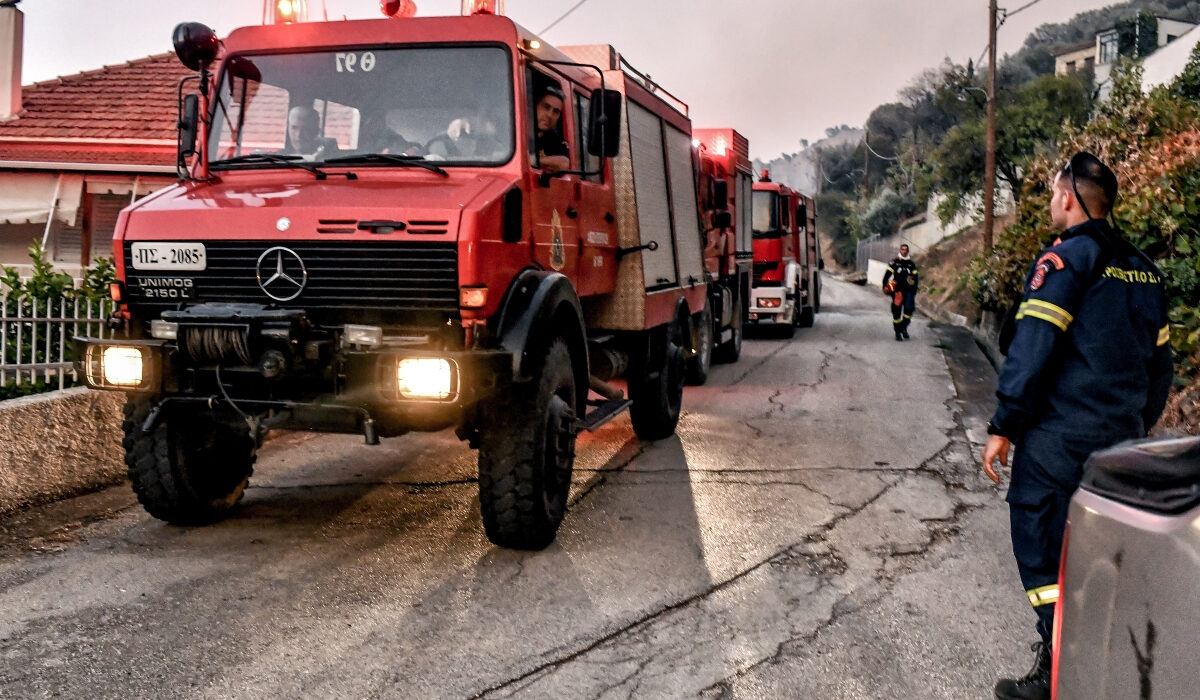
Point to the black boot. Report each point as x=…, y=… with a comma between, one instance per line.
x=1035, y=685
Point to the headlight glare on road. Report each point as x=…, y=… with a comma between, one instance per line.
x=121, y=366
x=428, y=378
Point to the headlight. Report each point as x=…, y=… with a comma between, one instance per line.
x=768, y=303
x=115, y=366
x=428, y=378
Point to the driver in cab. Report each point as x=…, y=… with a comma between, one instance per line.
x=304, y=135
x=551, y=147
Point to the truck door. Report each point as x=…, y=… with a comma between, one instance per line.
x=553, y=203
x=596, y=217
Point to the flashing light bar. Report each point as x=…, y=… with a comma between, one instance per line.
x=483, y=7
x=398, y=8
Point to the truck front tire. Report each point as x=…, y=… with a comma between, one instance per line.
x=526, y=455
x=192, y=467
x=656, y=388
x=699, y=364
x=731, y=350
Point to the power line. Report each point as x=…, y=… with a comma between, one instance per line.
x=565, y=15
x=1026, y=6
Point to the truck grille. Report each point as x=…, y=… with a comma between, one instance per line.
x=404, y=282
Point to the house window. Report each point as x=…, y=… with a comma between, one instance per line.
x=1109, y=47
x=1171, y=37
x=1070, y=66
x=1089, y=62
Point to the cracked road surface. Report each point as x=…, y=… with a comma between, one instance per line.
x=817, y=529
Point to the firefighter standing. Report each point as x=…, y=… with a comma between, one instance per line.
x=900, y=283
x=1089, y=366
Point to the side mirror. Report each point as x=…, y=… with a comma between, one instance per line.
x=722, y=219
x=604, y=124
x=821, y=264
x=802, y=215
x=720, y=194
x=189, y=124
x=196, y=45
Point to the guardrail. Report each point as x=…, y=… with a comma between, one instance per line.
x=35, y=337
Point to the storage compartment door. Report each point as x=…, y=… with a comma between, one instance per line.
x=745, y=215
x=685, y=209
x=653, y=203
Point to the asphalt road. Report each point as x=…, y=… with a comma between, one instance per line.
x=817, y=529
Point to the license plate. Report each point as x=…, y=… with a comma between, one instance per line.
x=168, y=256
x=170, y=288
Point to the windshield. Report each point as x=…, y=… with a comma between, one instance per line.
x=450, y=105
x=766, y=212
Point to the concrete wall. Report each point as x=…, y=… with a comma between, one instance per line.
x=59, y=444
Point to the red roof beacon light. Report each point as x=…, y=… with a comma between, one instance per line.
x=483, y=7
x=285, y=11
x=398, y=8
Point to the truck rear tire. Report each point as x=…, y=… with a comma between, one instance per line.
x=731, y=350
x=192, y=467
x=804, y=319
x=656, y=388
x=527, y=454
x=699, y=364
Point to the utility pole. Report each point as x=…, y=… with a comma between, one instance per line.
x=989, y=175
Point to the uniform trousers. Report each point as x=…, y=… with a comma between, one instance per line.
x=1047, y=469
x=902, y=311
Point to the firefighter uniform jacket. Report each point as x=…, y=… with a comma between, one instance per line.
x=905, y=274
x=1090, y=358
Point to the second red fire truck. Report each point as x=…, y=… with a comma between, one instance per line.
x=786, y=288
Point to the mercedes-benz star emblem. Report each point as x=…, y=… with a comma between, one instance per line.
x=281, y=273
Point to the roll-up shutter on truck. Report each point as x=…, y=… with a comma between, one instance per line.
x=686, y=214
x=653, y=204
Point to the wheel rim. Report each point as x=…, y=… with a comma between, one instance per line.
x=705, y=340
x=559, y=452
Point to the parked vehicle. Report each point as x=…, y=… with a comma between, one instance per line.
x=725, y=183
x=395, y=278
x=1129, y=606
x=786, y=286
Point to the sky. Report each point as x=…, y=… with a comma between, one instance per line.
x=776, y=70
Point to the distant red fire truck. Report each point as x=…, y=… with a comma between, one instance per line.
x=786, y=286
x=726, y=180
x=368, y=237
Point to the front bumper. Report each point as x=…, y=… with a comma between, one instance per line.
x=356, y=386
x=770, y=305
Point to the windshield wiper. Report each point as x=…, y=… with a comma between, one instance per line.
x=291, y=161
x=390, y=159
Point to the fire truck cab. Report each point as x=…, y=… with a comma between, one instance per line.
x=786, y=285
x=399, y=225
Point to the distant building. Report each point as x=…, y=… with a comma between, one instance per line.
x=1168, y=62
x=1075, y=58
x=1102, y=54
x=76, y=150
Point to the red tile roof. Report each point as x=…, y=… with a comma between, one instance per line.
x=123, y=114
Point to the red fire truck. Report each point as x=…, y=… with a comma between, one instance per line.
x=368, y=237
x=725, y=184
x=786, y=287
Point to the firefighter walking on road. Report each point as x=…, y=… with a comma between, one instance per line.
x=900, y=283
x=1089, y=366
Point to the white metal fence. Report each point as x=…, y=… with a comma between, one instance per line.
x=35, y=337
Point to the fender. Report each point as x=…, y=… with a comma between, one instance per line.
x=537, y=306
x=792, y=275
